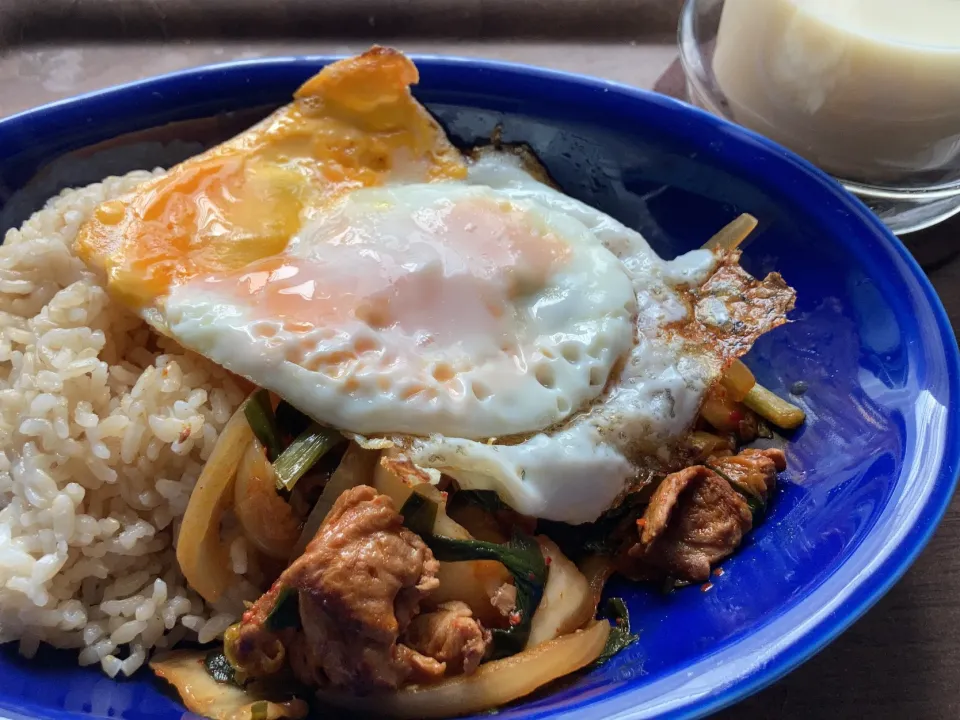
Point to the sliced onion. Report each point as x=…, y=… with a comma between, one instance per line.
x=720, y=410
x=597, y=569
x=478, y=522
x=185, y=670
x=494, y=684
x=267, y=519
x=567, y=602
x=474, y=581
x=396, y=477
x=355, y=468
x=203, y=557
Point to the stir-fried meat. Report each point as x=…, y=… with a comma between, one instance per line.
x=755, y=469
x=695, y=518
x=360, y=582
x=450, y=635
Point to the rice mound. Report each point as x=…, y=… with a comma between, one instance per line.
x=104, y=428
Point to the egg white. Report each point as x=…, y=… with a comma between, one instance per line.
x=569, y=331
x=576, y=472
x=598, y=381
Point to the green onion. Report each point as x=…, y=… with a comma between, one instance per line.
x=303, y=453
x=291, y=421
x=258, y=711
x=264, y=425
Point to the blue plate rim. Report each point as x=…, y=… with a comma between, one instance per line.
x=738, y=683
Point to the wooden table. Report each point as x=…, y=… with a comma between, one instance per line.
x=902, y=660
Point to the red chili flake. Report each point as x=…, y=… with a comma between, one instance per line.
x=547, y=560
x=514, y=618
x=706, y=586
x=247, y=616
x=718, y=572
x=184, y=435
x=736, y=417
x=641, y=522
x=531, y=576
x=443, y=494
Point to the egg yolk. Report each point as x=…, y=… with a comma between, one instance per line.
x=353, y=125
x=442, y=274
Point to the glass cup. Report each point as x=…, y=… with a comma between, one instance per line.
x=872, y=99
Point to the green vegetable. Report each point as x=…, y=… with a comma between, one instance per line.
x=286, y=613
x=258, y=711
x=264, y=425
x=291, y=421
x=620, y=635
x=303, y=453
x=419, y=514
x=603, y=537
x=486, y=499
x=522, y=557
x=755, y=501
x=219, y=668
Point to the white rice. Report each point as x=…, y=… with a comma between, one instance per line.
x=104, y=428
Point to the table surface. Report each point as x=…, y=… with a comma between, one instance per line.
x=902, y=659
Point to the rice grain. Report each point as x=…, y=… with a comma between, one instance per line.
x=104, y=428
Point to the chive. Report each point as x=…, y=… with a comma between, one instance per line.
x=620, y=636
x=605, y=536
x=264, y=425
x=522, y=557
x=303, y=453
x=258, y=710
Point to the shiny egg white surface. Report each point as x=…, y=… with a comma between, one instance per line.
x=345, y=256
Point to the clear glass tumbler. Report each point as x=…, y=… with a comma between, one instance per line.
x=868, y=90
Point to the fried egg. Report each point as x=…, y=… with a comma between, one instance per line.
x=345, y=255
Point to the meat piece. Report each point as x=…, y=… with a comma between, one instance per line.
x=756, y=470
x=450, y=635
x=694, y=519
x=359, y=583
x=748, y=427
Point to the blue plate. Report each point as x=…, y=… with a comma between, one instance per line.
x=870, y=474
